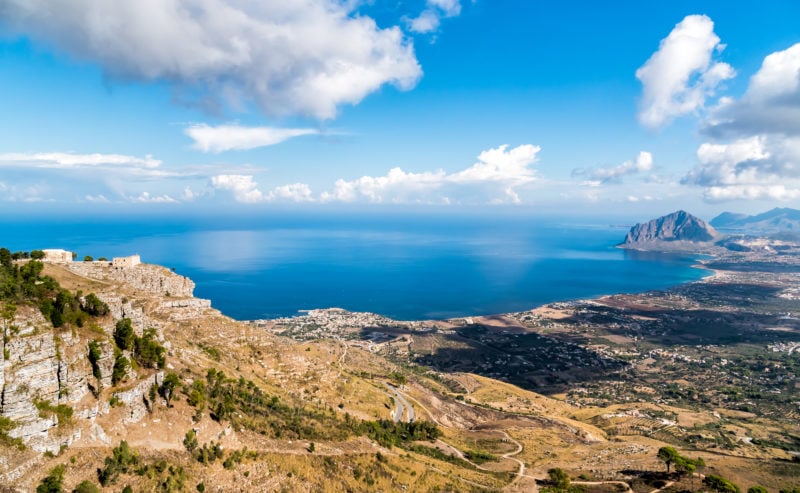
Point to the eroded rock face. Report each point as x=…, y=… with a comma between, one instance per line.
x=47, y=367
x=31, y=372
x=137, y=399
x=106, y=362
x=151, y=278
x=120, y=307
x=678, y=227
x=42, y=367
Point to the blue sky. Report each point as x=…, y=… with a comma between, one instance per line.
x=579, y=107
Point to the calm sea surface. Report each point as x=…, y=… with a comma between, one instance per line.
x=414, y=267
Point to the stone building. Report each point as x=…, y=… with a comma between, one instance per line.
x=57, y=255
x=124, y=262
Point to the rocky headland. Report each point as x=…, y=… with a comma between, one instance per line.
x=677, y=231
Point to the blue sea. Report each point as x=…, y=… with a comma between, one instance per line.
x=414, y=266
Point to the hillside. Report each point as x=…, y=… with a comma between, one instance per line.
x=674, y=231
x=163, y=393
x=775, y=221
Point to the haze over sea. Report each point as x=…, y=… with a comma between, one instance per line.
x=405, y=266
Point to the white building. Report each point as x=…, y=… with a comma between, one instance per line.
x=57, y=256
x=131, y=261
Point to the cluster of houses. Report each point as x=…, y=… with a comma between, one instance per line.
x=58, y=256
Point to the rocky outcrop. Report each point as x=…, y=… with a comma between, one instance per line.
x=184, y=309
x=44, y=367
x=106, y=362
x=151, y=278
x=120, y=307
x=679, y=230
x=137, y=399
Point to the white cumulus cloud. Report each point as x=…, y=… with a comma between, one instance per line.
x=396, y=186
x=287, y=57
x=679, y=77
x=757, y=167
x=243, y=187
x=752, y=192
x=493, y=179
x=598, y=176
x=147, y=198
x=430, y=18
x=245, y=190
x=755, y=152
x=294, y=192
x=236, y=137
x=771, y=104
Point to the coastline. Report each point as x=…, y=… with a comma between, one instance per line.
x=362, y=315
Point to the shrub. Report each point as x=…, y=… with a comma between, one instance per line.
x=86, y=486
x=124, y=335
x=94, y=356
x=62, y=412
x=190, y=441
x=94, y=306
x=122, y=460
x=121, y=367
x=148, y=352
x=53, y=482
x=168, y=386
x=720, y=484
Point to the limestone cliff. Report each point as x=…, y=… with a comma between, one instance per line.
x=42, y=367
x=151, y=278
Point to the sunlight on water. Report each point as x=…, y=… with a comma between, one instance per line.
x=436, y=268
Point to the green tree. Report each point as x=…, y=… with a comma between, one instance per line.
x=190, y=441
x=168, y=386
x=720, y=484
x=121, y=367
x=94, y=306
x=5, y=258
x=94, y=357
x=757, y=489
x=8, y=313
x=53, y=482
x=558, y=478
x=148, y=352
x=88, y=258
x=668, y=456
x=37, y=254
x=86, y=486
x=122, y=460
x=124, y=335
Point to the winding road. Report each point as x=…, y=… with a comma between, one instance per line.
x=401, y=405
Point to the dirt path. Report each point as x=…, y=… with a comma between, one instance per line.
x=670, y=483
x=627, y=486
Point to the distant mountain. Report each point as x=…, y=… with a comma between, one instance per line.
x=677, y=231
x=778, y=220
x=727, y=218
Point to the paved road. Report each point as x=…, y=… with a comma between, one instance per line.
x=401, y=405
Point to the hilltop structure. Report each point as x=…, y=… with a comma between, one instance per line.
x=57, y=256
x=126, y=262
